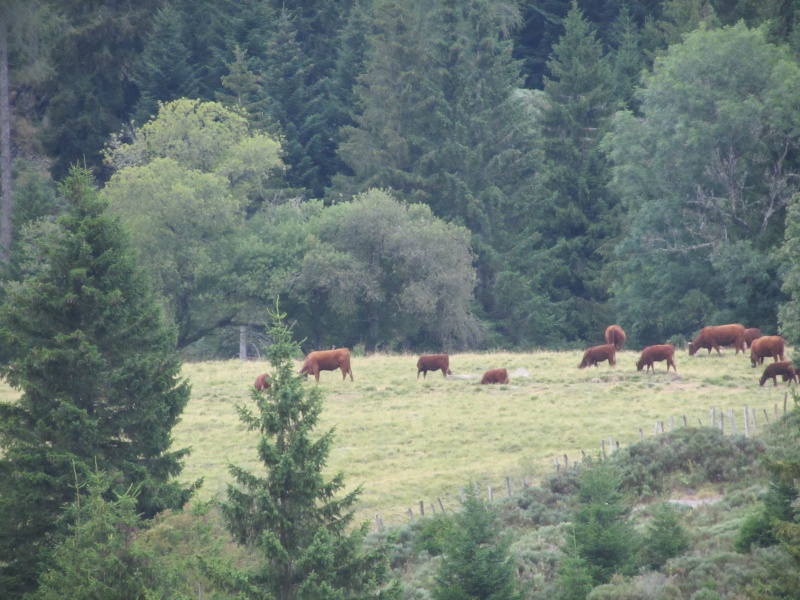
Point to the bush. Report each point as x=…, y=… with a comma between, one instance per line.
x=666, y=538
x=697, y=455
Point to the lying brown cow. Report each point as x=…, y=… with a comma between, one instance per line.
x=433, y=362
x=770, y=345
x=714, y=336
x=615, y=335
x=597, y=354
x=262, y=382
x=327, y=360
x=656, y=353
x=784, y=369
x=750, y=334
x=495, y=376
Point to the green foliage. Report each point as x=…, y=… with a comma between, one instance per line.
x=476, y=562
x=666, y=537
x=690, y=455
x=185, y=186
x=705, y=178
x=789, y=311
x=601, y=531
x=290, y=515
x=87, y=344
x=433, y=533
x=102, y=556
x=164, y=72
x=574, y=577
x=574, y=214
x=396, y=267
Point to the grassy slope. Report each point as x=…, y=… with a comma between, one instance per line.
x=407, y=440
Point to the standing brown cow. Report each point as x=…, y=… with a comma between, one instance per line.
x=495, y=376
x=769, y=345
x=714, y=336
x=615, y=335
x=656, y=353
x=433, y=362
x=262, y=382
x=784, y=369
x=597, y=354
x=327, y=360
x=750, y=334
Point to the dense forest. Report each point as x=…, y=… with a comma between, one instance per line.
x=426, y=174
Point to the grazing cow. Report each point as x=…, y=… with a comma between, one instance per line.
x=433, y=362
x=615, y=335
x=597, y=354
x=495, y=376
x=327, y=360
x=769, y=345
x=656, y=353
x=262, y=382
x=784, y=369
x=750, y=334
x=714, y=336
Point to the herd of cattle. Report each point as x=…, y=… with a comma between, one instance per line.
x=712, y=337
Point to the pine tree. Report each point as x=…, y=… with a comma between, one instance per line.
x=476, y=564
x=164, y=72
x=88, y=346
x=102, y=557
x=574, y=216
x=291, y=515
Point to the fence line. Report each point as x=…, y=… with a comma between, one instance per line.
x=716, y=420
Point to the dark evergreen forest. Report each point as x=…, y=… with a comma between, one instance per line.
x=422, y=174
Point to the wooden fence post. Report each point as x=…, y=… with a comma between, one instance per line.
x=421, y=508
x=746, y=421
x=508, y=483
x=491, y=494
x=440, y=504
x=733, y=423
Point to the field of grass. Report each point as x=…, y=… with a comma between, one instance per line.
x=406, y=440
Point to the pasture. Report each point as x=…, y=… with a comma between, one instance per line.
x=406, y=440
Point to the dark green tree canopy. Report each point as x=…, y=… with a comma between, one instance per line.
x=86, y=343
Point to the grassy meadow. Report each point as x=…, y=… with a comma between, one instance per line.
x=406, y=440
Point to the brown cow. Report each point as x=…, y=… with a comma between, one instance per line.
x=495, y=376
x=769, y=345
x=262, y=382
x=783, y=368
x=750, y=334
x=656, y=353
x=597, y=354
x=433, y=362
x=327, y=360
x=615, y=335
x=714, y=336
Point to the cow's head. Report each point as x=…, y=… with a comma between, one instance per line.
x=692, y=349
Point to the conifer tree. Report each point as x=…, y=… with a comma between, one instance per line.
x=164, y=72
x=87, y=345
x=574, y=214
x=476, y=564
x=290, y=514
x=102, y=557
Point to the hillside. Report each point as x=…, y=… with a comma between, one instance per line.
x=406, y=440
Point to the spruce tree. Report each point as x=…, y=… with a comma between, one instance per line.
x=476, y=564
x=290, y=514
x=575, y=214
x=87, y=345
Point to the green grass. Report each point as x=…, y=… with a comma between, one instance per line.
x=406, y=440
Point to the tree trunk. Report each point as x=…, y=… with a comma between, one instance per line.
x=242, y=342
x=5, y=144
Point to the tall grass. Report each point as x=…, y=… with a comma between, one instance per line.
x=405, y=439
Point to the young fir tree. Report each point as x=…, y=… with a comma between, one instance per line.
x=86, y=343
x=290, y=514
x=102, y=556
x=476, y=563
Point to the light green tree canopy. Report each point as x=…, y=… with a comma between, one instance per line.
x=185, y=185
x=710, y=163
